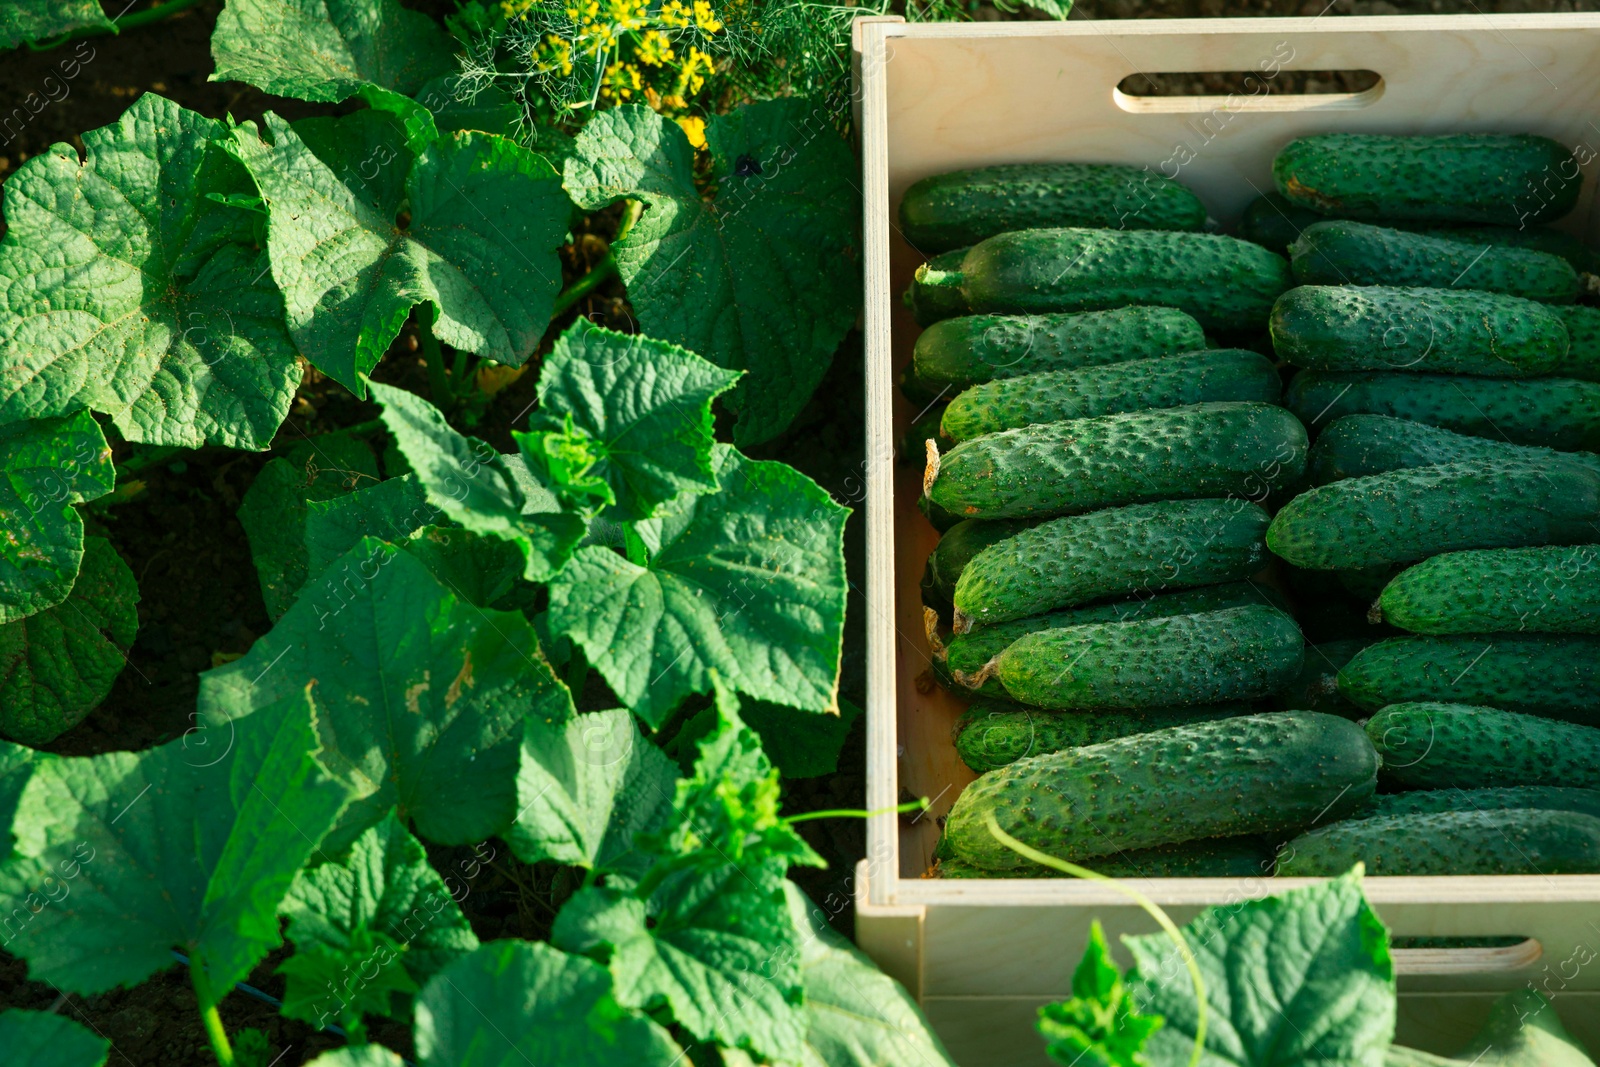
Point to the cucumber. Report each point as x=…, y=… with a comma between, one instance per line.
x=1140, y=549
x=952, y=355
x=1509, y=841
x=1404, y=515
x=1558, y=677
x=1316, y=687
x=1583, y=352
x=1179, y=661
x=1137, y=385
x=967, y=653
x=1429, y=745
x=1504, y=179
x=963, y=207
x=1438, y=331
x=1534, y=797
x=1274, y=221
x=931, y=302
x=1555, y=412
x=1225, y=283
x=955, y=550
x=1258, y=774
x=1339, y=252
x=1219, y=449
x=993, y=733
x=937, y=517
x=1223, y=857
x=1358, y=445
x=1548, y=589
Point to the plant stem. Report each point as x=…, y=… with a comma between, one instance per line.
x=126, y=22
x=208, y=1013
x=598, y=275
x=438, y=380
x=920, y=804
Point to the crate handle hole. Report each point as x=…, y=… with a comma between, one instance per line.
x=1441, y=959
x=1227, y=92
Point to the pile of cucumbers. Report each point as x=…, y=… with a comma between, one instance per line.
x=1162, y=458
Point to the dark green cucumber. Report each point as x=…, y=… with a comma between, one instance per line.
x=1316, y=687
x=1222, y=857
x=1116, y=552
x=1358, y=445
x=1508, y=841
x=993, y=733
x=963, y=207
x=1438, y=331
x=1138, y=385
x=1220, y=449
x=1558, y=413
x=1583, y=353
x=1179, y=661
x=1258, y=774
x=1504, y=179
x=937, y=517
x=1340, y=252
x=1548, y=589
x=1224, y=282
x=931, y=302
x=955, y=550
x=1274, y=221
x=1533, y=797
x=957, y=353
x=1540, y=674
x=1429, y=745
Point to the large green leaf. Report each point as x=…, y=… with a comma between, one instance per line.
x=515, y=1004
x=761, y=275
x=58, y=665
x=46, y=466
x=44, y=1039
x=35, y=20
x=326, y=50
x=748, y=582
x=128, y=290
x=190, y=845
x=390, y=510
x=484, y=219
x=421, y=695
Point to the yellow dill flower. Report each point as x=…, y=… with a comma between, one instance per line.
x=695, y=129
x=655, y=49
x=705, y=18
x=675, y=15
x=621, y=81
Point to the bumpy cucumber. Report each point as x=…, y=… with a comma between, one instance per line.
x=1558, y=677
x=1555, y=412
x=1548, y=589
x=994, y=733
x=930, y=301
x=1510, y=841
x=1274, y=221
x=1583, y=352
x=1223, y=857
x=967, y=653
x=1316, y=687
x=937, y=517
x=1340, y=252
x=1220, y=449
x=1534, y=797
x=1138, y=385
x=1439, y=331
x=957, y=353
x=1232, y=654
x=1505, y=179
x=955, y=550
x=1258, y=774
x=1223, y=282
x=1429, y=745
x=1140, y=549
x=1358, y=445
x=1404, y=515
x=965, y=206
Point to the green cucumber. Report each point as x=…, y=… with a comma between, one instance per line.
x=1339, y=252
x=1219, y=449
x=1223, y=857
x=1439, y=331
x=994, y=733
x=1540, y=674
x=1358, y=445
x=931, y=301
x=1179, y=661
x=1548, y=589
x=1138, y=385
x=1583, y=353
x=1403, y=515
x=1504, y=179
x=1534, y=797
x=1274, y=221
x=952, y=355
x=1429, y=745
x=937, y=517
x=963, y=207
x=955, y=550
x=1555, y=412
x=1508, y=841
x=1257, y=774
x=1316, y=687
x=1225, y=283
x=1140, y=549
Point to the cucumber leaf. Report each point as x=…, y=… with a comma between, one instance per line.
x=178, y=846
x=512, y=1003
x=420, y=694
x=637, y=411
x=762, y=275
x=358, y=1056
x=327, y=50
x=1098, y=1026
x=390, y=510
x=131, y=291
x=26, y=21
x=58, y=665
x=748, y=582
x=484, y=219
x=46, y=466
x=478, y=569
x=44, y=1039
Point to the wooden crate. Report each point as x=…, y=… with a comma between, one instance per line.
x=982, y=955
